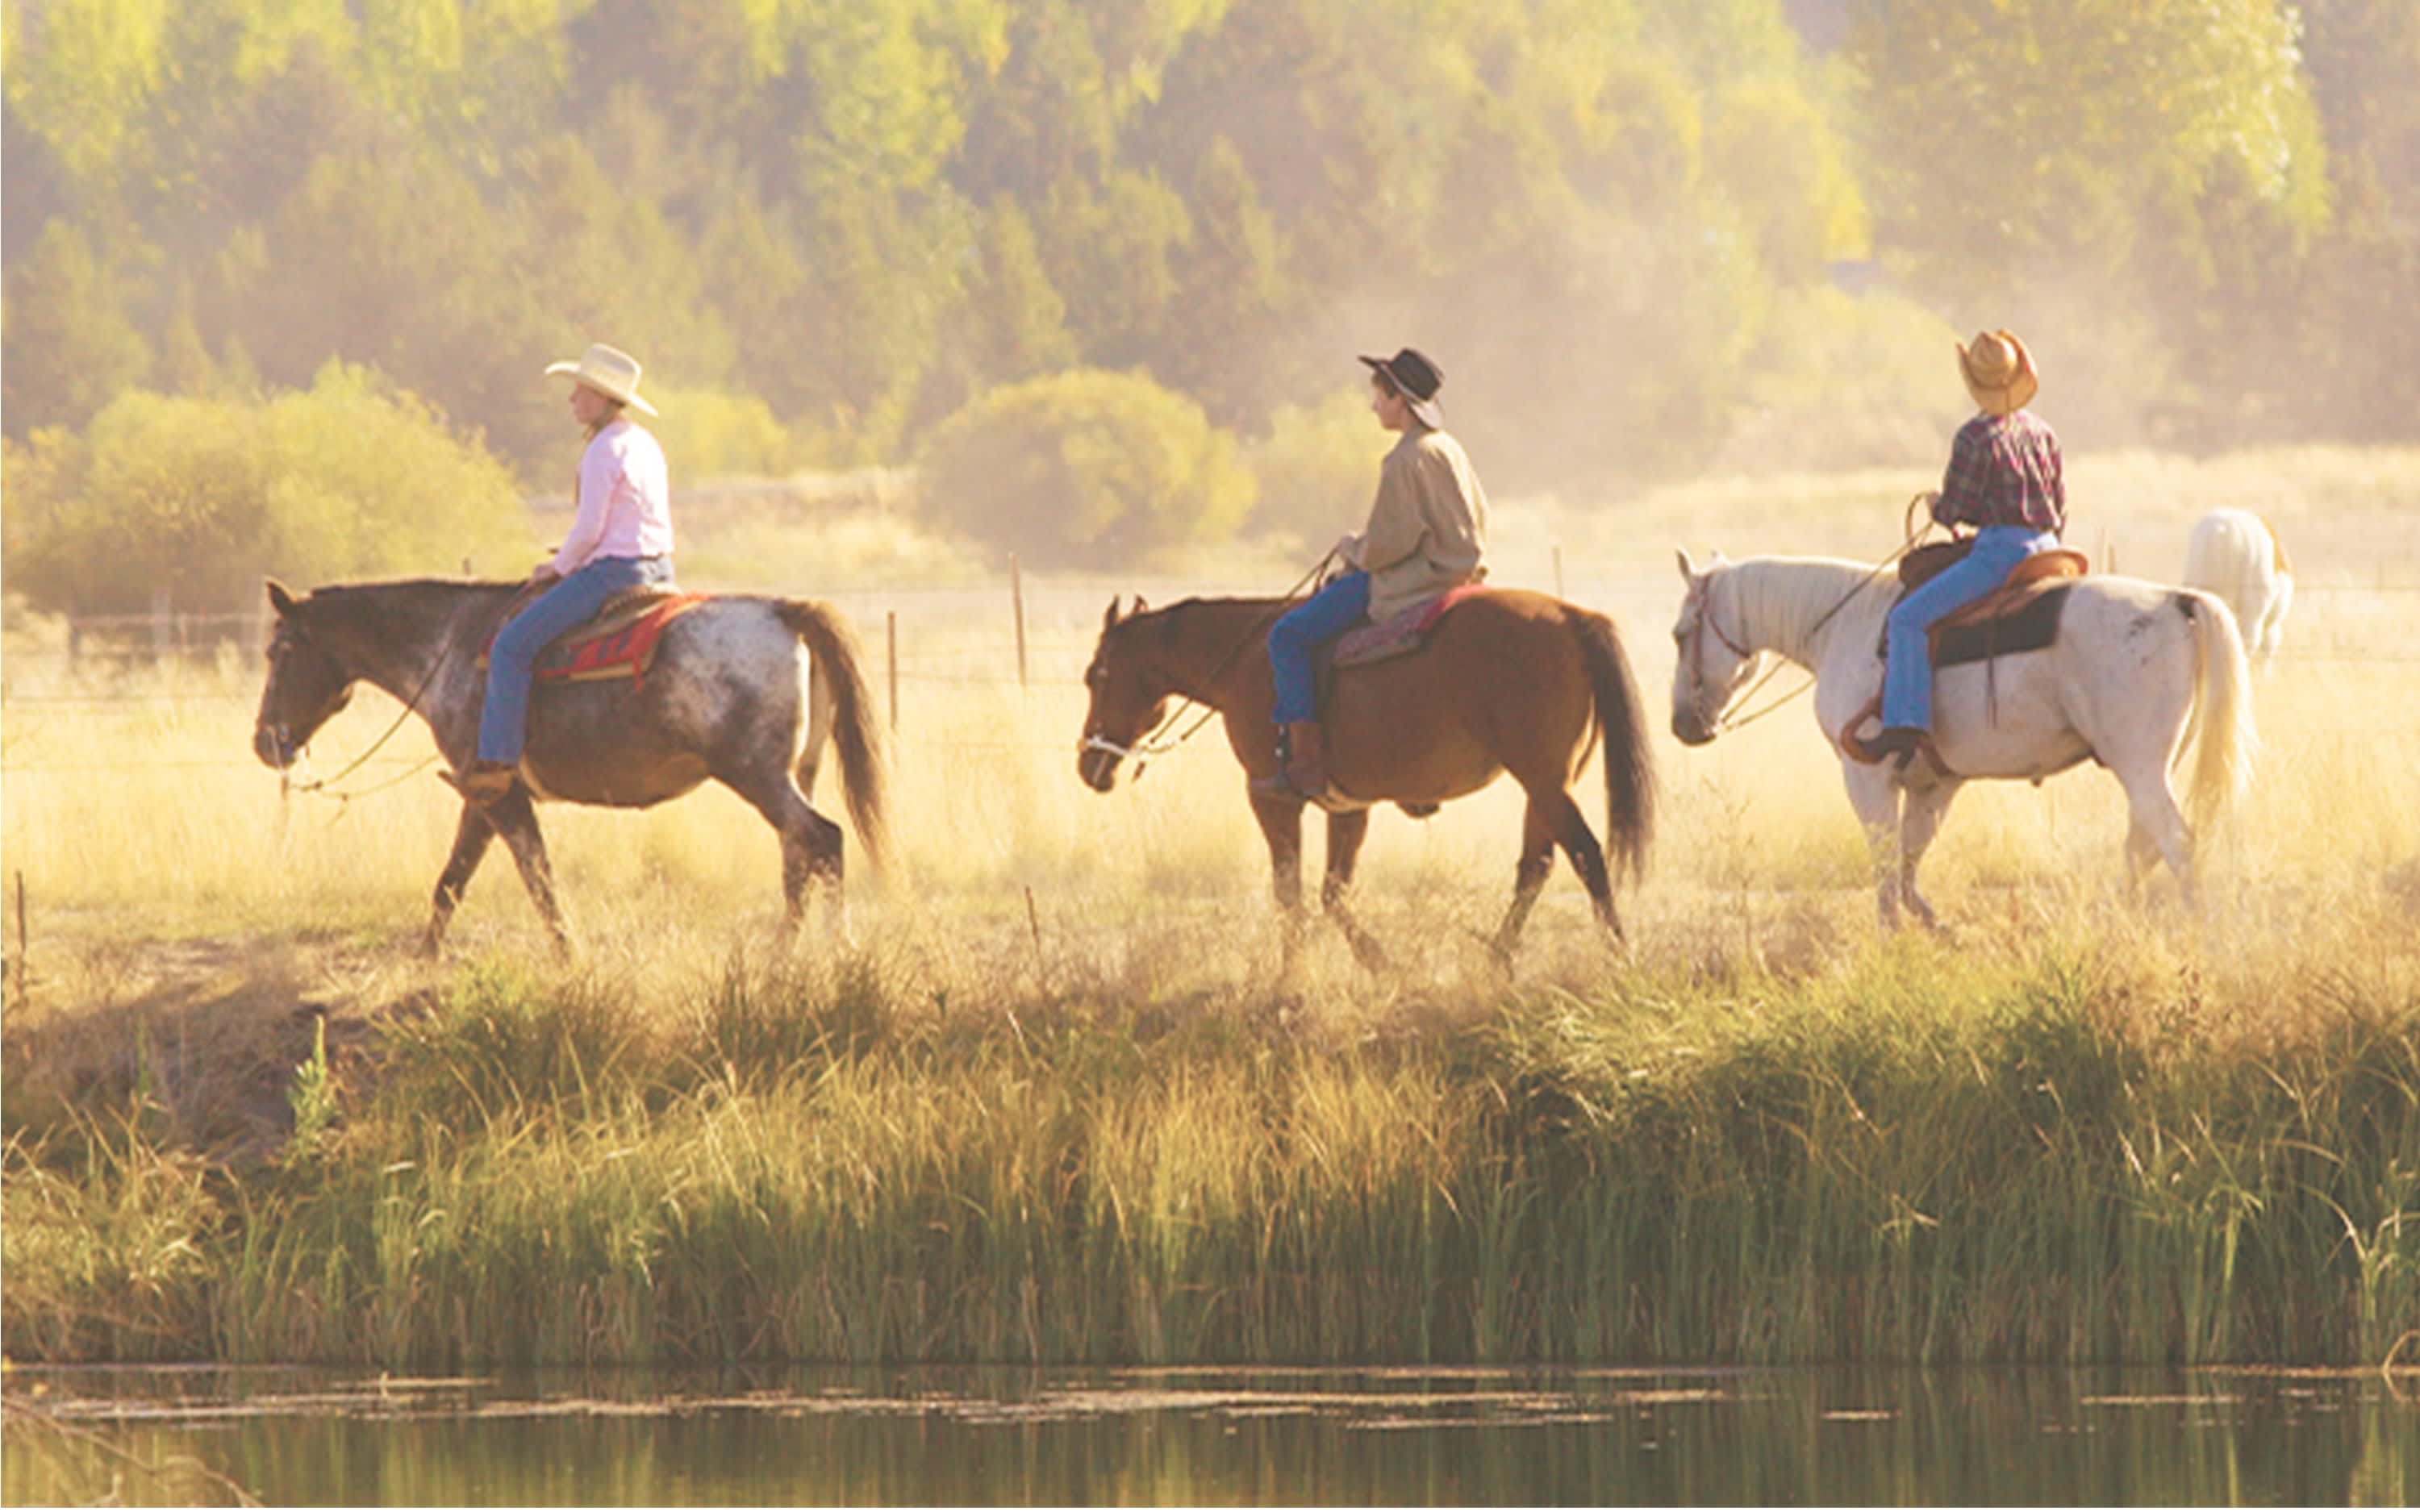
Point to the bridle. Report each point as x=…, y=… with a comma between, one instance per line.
x=1705, y=624
x=293, y=756
x=1149, y=743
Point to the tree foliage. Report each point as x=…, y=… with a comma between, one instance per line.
x=868, y=213
x=1086, y=468
x=198, y=497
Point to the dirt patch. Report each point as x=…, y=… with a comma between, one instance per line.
x=196, y=1041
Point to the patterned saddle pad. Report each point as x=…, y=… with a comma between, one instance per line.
x=1398, y=635
x=619, y=642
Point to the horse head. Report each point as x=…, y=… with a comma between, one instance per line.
x=1711, y=662
x=306, y=685
x=1129, y=696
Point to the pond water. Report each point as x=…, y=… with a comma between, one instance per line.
x=1085, y=1436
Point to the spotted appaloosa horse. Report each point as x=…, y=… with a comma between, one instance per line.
x=1508, y=681
x=2139, y=672
x=743, y=690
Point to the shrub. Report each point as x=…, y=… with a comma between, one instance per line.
x=200, y=497
x=1318, y=465
x=708, y=434
x=1086, y=468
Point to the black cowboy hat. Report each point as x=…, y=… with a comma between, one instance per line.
x=1412, y=375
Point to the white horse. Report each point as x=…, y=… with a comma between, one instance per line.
x=2136, y=671
x=2234, y=554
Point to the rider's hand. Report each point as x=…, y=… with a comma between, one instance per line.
x=544, y=573
x=1344, y=548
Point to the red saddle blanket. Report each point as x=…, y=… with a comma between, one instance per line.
x=1398, y=634
x=619, y=642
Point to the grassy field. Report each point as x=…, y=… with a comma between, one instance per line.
x=1053, y=1098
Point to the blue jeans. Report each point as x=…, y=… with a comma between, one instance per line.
x=503, y=717
x=1907, y=677
x=1321, y=618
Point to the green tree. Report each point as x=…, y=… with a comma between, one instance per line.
x=1088, y=468
x=71, y=346
x=197, y=498
x=2013, y=139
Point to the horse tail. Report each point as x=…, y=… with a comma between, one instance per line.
x=2221, y=728
x=1629, y=776
x=834, y=649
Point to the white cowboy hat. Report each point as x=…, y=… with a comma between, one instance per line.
x=610, y=371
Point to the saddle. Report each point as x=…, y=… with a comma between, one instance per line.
x=619, y=641
x=1396, y=635
x=2022, y=614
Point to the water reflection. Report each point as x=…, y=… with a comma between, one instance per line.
x=1072, y=1436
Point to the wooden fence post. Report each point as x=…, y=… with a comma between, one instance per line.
x=1016, y=599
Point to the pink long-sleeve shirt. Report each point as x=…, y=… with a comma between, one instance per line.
x=625, y=500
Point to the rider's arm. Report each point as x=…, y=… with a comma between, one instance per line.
x=1960, y=501
x=599, y=473
x=1396, y=524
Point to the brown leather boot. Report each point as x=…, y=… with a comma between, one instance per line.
x=1302, y=763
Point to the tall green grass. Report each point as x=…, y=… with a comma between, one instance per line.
x=2064, y=1153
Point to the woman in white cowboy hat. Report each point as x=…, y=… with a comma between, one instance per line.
x=2005, y=480
x=1427, y=534
x=621, y=538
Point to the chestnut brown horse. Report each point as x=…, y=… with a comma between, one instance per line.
x=744, y=690
x=1507, y=682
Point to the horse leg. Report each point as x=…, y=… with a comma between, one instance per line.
x=1281, y=827
x=1876, y=801
x=515, y=817
x=1919, y=823
x=810, y=845
x=2142, y=853
x=1578, y=841
x=1529, y=879
x=472, y=835
x=1345, y=832
x=2156, y=816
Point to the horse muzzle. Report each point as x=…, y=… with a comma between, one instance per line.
x=271, y=744
x=1689, y=729
x=1096, y=763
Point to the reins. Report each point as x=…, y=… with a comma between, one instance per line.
x=319, y=787
x=1914, y=537
x=1150, y=746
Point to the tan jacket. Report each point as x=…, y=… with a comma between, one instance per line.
x=1428, y=529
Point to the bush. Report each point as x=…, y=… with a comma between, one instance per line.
x=708, y=434
x=201, y=497
x=1086, y=468
x=1318, y=465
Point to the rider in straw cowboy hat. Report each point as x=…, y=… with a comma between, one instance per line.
x=621, y=538
x=1427, y=533
x=2005, y=480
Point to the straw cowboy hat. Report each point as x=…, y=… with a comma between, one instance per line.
x=610, y=371
x=1999, y=372
x=1412, y=376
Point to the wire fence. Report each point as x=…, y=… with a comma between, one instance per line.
x=987, y=634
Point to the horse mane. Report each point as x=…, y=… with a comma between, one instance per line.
x=1775, y=591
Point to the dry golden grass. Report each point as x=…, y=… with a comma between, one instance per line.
x=146, y=819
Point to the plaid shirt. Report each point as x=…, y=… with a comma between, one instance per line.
x=2003, y=469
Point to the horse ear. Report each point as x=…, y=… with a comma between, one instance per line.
x=1138, y=605
x=1688, y=568
x=279, y=599
x=1110, y=616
